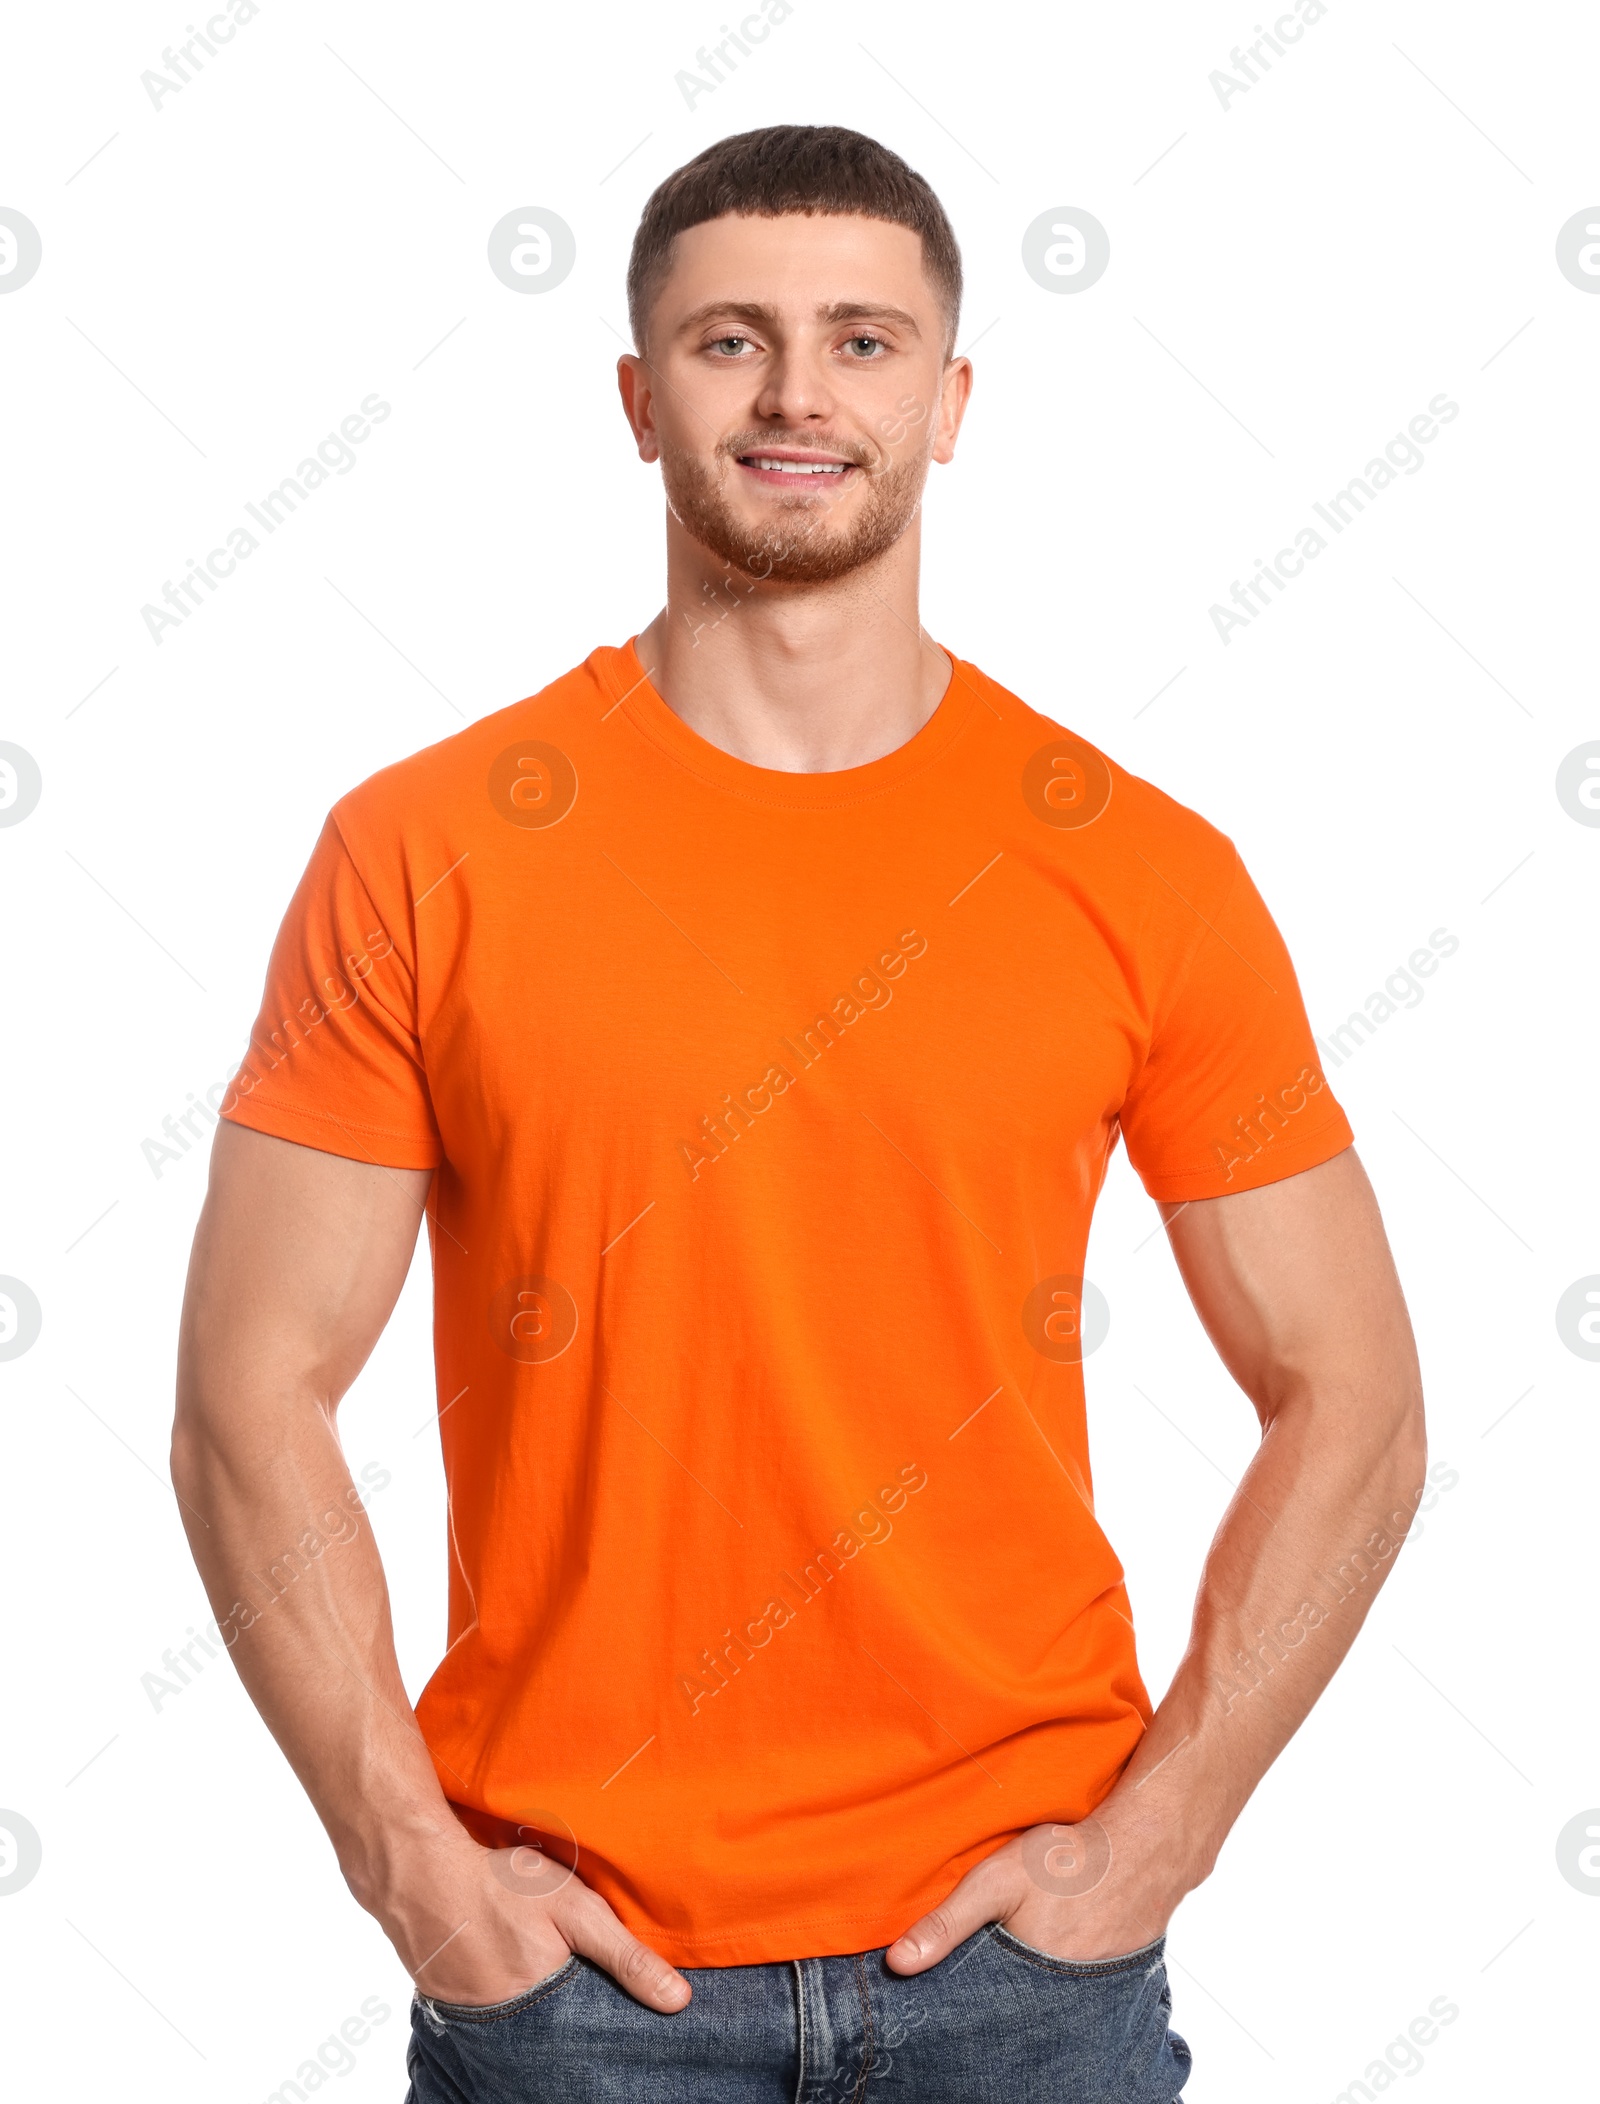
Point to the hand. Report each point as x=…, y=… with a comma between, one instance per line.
x=479, y=1925
x=1064, y=1889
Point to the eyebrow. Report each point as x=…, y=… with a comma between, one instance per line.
x=764, y=317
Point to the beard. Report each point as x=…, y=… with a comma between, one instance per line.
x=799, y=542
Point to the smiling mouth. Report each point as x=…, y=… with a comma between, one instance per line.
x=776, y=467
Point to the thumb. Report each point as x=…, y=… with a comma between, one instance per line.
x=978, y=1898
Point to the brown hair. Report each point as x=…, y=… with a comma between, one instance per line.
x=810, y=168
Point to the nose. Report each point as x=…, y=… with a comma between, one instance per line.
x=796, y=388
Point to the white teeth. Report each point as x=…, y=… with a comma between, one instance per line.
x=798, y=467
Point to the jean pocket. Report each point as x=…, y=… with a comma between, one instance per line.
x=1140, y=1960
x=497, y=2012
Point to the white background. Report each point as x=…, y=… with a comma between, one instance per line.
x=1372, y=223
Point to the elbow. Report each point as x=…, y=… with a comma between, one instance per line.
x=1408, y=1450
x=1411, y=1431
x=184, y=1463
x=192, y=1448
x=1414, y=1448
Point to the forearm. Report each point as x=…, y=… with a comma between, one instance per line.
x=292, y=1571
x=1296, y=1564
x=1297, y=1290
x=298, y=1260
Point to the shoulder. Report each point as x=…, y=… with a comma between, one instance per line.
x=1076, y=790
x=443, y=784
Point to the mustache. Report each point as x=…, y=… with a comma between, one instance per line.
x=853, y=450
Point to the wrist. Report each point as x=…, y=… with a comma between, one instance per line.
x=1161, y=1853
x=412, y=1844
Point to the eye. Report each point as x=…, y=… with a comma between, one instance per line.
x=864, y=347
x=729, y=346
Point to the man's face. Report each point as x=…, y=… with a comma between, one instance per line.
x=795, y=390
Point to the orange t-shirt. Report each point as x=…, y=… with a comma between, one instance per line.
x=768, y=1112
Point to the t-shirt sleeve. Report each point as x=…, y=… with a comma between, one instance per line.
x=1230, y=1095
x=335, y=1060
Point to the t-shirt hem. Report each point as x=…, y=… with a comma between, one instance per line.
x=1278, y=1159
x=779, y=1942
x=330, y=1134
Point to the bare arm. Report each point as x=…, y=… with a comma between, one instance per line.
x=298, y=1261
x=1297, y=1290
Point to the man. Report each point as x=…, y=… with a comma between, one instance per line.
x=753, y=1013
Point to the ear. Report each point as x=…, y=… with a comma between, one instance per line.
x=954, y=392
x=635, y=386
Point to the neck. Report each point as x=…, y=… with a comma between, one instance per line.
x=803, y=678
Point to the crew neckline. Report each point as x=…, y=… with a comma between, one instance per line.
x=634, y=692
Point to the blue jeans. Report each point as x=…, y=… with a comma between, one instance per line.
x=996, y=2022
